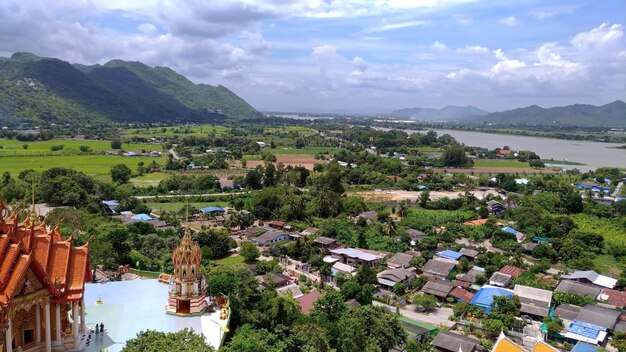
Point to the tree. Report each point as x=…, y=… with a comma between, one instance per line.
x=308, y=338
x=25, y=146
x=536, y=163
x=248, y=339
x=424, y=199
x=249, y=251
x=253, y=179
x=554, y=326
x=425, y=302
x=155, y=341
x=619, y=341
x=116, y=144
x=455, y=156
x=121, y=173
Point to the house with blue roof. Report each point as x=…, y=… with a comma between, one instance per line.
x=212, y=210
x=141, y=217
x=485, y=296
x=109, y=206
x=449, y=254
x=584, y=347
x=586, y=332
x=520, y=237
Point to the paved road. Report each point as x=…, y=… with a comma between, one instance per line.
x=618, y=189
x=438, y=317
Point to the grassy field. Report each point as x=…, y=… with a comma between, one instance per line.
x=229, y=261
x=499, y=163
x=151, y=179
x=98, y=166
x=294, y=151
x=176, y=206
x=606, y=264
x=608, y=228
x=561, y=162
x=287, y=129
x=195, y=131
x=14, y=147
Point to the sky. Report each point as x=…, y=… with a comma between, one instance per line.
x=347, y=55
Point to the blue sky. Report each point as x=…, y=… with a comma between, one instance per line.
x=348, y=55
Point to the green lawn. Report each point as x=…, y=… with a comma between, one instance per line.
x=606, y=264
x=499, y=163
x=151, y=179
x=70, y=146
x=98, y=166
x=229, y=261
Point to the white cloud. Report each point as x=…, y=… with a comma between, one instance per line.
x=600, y=37
x=463, y=19
x=394, y=26
x=472, y=50
x=439, y=46
x=508, y=21
x=146, y=28
x=552, y=11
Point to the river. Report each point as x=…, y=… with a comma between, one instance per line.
x=592, y=154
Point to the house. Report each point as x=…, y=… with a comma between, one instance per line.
x=277, y=280
x=567, y=313
x=141, y=217
x=340, y=267
x=439, y=268
x=355, y=256
x=260, y=144
x=520, y=237
x=270, y=237
x=461, y=295
x=484, y=297
x=226, y=184
x=212, y=210
x=614, y=297
x=448, y=254
x=495, y=207
x=529, y=247
x=369, y=216
x=309, y=231
x=277, y=224
x=500, y=279
x=253, y=231
x=578, y=288
x=503, y=152
x=400, y=260
x=591, y=277
x=597, y=315
x=447, y=341
x=584, y=347
x=416, y=236
x=109, y=206
x=438, y=288
x=326, y=242
x=389, y=278
x=292, y=290
x=469, y=253
x=535, y=301
x=512, y=270
x=585, y=332
x=307, y=301
x=470, y=276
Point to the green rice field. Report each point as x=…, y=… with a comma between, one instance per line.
x=10, y=147
x=176, y=206
x=98, y=166
x=151, y=179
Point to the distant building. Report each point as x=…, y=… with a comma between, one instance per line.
x=352, y=256
x=271, y=237
x=390, y=277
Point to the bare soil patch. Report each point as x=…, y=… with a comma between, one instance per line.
x=412, y=196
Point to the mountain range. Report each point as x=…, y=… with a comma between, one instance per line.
x=581, y=115
x=447, y=113
x=34, y=89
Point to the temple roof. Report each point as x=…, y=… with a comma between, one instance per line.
x=61, y=267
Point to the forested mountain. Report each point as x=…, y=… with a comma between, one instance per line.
x=33, y=88
x=447, y=113
x=609, y=115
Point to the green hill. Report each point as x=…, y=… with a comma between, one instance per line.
x=581, y=115
x=35, y=89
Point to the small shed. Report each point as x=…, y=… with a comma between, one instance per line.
x=448, y=254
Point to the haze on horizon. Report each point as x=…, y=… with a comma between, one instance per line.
x=347, y=55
